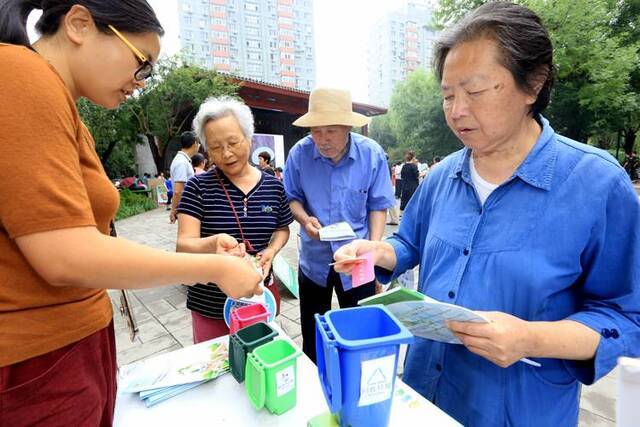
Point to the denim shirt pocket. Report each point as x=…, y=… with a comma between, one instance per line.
x=355, y=205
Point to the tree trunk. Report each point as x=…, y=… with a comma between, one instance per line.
x=107, y=153
x=629, y=140
x=157, y=157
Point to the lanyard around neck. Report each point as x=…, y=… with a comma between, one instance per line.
x=247, y=244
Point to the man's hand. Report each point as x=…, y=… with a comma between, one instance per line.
x=312, y=227
x=503, y=341
x=173, y=216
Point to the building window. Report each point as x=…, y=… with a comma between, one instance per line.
x=220, y=60
x=254, y=44
x=251, y=20
x=251, y=7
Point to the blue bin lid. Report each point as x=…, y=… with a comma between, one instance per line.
x=365, y=327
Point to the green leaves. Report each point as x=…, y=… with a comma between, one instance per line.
x=596, y=54
x=415, y=120
x=164, y=108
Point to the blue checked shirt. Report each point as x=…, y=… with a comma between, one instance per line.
x=558, y=240
x=347, y=191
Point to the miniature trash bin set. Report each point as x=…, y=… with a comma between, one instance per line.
x=357, y=353
x=267, y=365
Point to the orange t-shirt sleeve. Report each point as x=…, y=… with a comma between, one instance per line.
x=39, y=154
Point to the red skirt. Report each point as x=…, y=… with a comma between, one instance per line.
x=74, y=385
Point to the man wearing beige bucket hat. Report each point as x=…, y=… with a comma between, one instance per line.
x=333, y=175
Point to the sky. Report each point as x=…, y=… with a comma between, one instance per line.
x=341, y=32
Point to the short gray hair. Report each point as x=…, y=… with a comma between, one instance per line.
x=215, y=108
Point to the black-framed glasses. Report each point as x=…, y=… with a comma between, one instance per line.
x=146, y=67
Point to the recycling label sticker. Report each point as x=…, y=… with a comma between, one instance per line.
x=376, y=380
x=285, y=381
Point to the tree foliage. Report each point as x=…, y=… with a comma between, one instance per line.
x=162, y=110
x=415, y=120
x=115, y=133
x=169, y=103
x=596, y=55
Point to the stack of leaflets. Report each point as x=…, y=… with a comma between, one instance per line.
x=167, y=375
x=337, y=232
x=424, y=316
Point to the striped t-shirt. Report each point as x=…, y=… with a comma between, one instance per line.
x=267, y=209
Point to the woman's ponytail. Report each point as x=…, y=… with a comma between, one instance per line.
x=13, y=20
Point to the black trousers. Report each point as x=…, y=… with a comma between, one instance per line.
x=317, y=299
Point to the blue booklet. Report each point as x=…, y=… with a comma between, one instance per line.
x=152, y=397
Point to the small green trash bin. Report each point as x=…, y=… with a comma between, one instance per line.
x=243, y=342
x=271, y=376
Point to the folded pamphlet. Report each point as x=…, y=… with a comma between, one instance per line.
x=337, y=232
x=424, y=316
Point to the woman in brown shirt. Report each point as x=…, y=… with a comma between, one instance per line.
x=57, y=359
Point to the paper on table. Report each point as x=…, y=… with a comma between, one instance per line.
x=627, y=411
x=199, y=362
x=337, y=232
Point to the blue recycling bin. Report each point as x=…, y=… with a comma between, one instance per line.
x=357, y=358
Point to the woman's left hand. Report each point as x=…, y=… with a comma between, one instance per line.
x=503, y=341
x=266, y=258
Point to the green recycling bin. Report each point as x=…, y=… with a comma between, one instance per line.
x=270, y=376
x=243, y=342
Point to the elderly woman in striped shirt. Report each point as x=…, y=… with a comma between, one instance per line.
x=233, y=208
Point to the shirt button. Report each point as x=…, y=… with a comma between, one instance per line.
x=615, y=334
x=606, y=333
x=466, y=251
x=451, y=294
x=438, y=367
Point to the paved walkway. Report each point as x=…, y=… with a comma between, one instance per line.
x=165, y=322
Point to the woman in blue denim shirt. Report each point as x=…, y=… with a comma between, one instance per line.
x=538, y=232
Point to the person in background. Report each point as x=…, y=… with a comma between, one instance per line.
x=264, y=159
x=515, y=227
x=199, y=162
x=423, y=169
x=436, y=160
x=57, y=258
x=234, y=202
x=278, y=173
x=394, y=215
x=333, y=175
x=410, y=179
x=397, y=171
x=182, y=169
x=632, y=165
